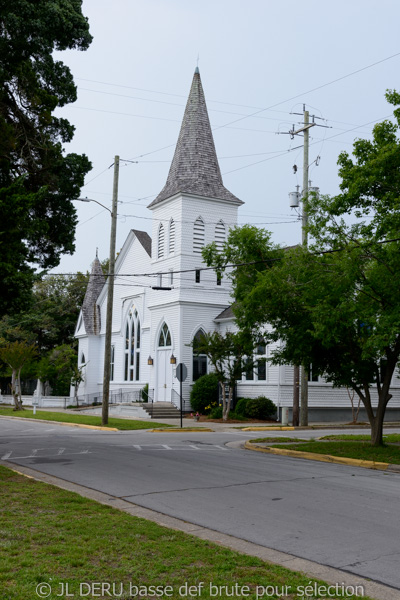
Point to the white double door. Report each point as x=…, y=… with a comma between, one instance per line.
x=164, y=375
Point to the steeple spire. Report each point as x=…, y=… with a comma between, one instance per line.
x=90, y=310
x=195, y=169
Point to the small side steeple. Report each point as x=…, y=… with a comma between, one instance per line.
x=195, y=169
x=90, y=310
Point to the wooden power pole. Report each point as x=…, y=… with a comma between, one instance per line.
x=110, y=298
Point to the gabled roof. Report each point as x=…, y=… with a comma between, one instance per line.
x=227, y=313
x=144, y=239
x=195, y=169
x=90, y=310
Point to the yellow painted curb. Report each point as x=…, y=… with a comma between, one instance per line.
x=19, y=473
x=85, y=426
x=63, y=423
x=182, y=430
x=272, y=428
x=354, y=462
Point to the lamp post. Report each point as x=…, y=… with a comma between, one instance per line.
x=110, y=295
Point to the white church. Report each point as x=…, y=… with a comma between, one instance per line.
x=152, y=328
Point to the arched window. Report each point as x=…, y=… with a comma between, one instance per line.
x=132, y=347
x=171, y=236
x=83, y=359
x=199, y=360
x=198, y=235
x=165, y=337
x=160, y=253
x=220, y=235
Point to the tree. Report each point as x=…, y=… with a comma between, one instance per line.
x=51, y=318
x=59, y=367
x=15, y=355
x=37, y=180
x=230, y=355
x=337, y=306
x=49, y=323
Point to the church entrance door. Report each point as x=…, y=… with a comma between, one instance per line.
x=164, y=376
x=164, y=368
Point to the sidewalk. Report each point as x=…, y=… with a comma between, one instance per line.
x=189, y=423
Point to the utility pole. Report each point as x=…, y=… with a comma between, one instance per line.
x=110, y=298
x=304, y=240
x=305, y=130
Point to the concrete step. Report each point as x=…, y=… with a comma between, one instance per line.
x=161, y=410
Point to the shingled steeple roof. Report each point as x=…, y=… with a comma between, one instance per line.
x=195, y=168
x=90, y=310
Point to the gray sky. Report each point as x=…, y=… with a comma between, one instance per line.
x=134, y=80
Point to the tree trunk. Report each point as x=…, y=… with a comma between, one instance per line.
x=15, y=380
x=224, y=407
x=76, y=394
x=375, y=420
x=296, y=395
x=377, y=431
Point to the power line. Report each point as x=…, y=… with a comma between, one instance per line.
x=233, y=265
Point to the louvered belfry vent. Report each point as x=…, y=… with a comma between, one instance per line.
x=198, y=235
x=220, y=235
x=172, y=237
x=161, y=236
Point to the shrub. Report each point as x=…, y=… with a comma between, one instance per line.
x=240, y=408
x=144, y=392
x=216, y=412
x=260, y=408
x=204, y=393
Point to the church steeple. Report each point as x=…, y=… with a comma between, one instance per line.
x=195, y=169
x=90, y=310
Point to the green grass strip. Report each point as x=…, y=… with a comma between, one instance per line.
x=275, y=440
x=350, y=449
x=388, y=438
x=122, y=424
x=50, y=537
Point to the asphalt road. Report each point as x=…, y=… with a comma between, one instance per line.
x=344, y=517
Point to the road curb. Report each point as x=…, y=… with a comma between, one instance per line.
x=183, y=430
x=272, y=428
x=353, y=462
x=63, y=423
x=373, y=589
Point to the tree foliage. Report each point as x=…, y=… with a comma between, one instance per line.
x=49, y=324
x=230, y=355
x=15, y=354
x=51, y=318
x=37, y=179
x=60, y=368
x=337, y=305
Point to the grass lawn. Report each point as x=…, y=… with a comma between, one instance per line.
x=275, y=440
x=50, y=537
x=362, y=450
x=123, y=424
x=388, y=438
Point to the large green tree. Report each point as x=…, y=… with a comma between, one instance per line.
x=337, y=305
x=51, y=318
x=38, y=181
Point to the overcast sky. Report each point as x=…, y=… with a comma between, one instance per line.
x=134, y=80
